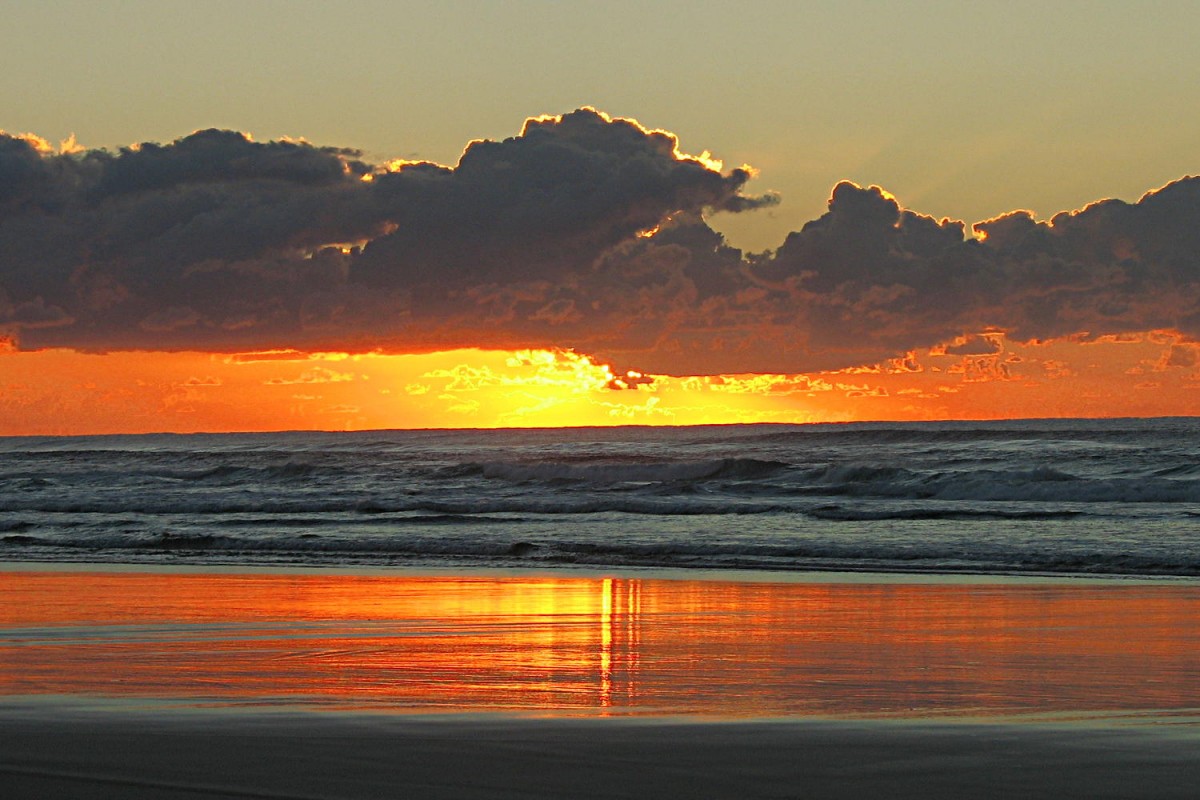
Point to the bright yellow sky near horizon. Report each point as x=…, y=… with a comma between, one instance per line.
x=58, y=392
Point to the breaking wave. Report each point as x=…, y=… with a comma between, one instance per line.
x=1072, y=497
x=605, y=472
x=518, y=551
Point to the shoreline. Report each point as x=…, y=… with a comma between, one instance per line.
x=682, y=573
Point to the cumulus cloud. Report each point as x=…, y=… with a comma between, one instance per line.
x=217, y=241
x=583, y=231
x=870, y=280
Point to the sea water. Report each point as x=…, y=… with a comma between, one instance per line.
x=1059, y=497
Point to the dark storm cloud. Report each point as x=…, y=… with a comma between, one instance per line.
x=871, y=280
x=161, y=246
x=974, y=346
x=542, y=204
x=583, y=231
x=1110, y=268
x=216, y=241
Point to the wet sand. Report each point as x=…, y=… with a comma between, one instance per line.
x=185, y=754
x=159, y=683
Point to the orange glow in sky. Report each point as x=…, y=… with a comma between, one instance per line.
x=149, y=241
x=984, y=377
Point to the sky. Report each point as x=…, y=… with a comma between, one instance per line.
x=257, y=216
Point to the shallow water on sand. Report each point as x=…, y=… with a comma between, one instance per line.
x=554, y=644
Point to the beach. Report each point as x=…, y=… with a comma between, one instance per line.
x=94, y=754
x=200, y=681
x=554, y=400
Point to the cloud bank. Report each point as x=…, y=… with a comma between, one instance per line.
x=583, y=231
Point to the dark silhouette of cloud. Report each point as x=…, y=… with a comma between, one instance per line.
x=974, y=345
x=582, y=231
x=870, y=280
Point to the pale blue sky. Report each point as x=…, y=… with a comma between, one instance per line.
x=960, y=109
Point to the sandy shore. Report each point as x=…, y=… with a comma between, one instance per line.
x=187, y=754
x=184, y=684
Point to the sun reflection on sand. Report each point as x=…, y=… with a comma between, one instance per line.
x=611, y=645
x=606, y=640
x=620, y=634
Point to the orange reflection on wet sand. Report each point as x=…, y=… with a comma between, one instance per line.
x=568, y=645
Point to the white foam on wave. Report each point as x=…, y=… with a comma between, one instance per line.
x=737, y=496
x=609, y=472
x=913, y=555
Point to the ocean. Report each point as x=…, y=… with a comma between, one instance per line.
x=1044, y=497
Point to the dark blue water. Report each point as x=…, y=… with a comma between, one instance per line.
x=1075, y=497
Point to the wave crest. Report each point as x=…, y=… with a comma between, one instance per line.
x=605, y=472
